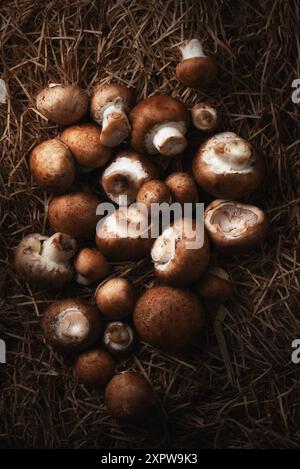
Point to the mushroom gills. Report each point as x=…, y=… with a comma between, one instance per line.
x=71, y=326
x=234, y=221
x=164, y=249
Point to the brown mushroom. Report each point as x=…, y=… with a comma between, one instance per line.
x=195, y=70
x=95, y=367
x=153, y=192
x=91, y=266
x=116, y=298
x=215, y=285
x=182, y=187
x=205, y=117
x=119, y=339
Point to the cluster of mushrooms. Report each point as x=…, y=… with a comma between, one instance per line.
x=169, y=315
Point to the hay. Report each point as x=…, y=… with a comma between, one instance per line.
x=237, y=387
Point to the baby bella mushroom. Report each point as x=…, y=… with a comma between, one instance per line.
x=215, y=285
x=95, y=367
x=90, y=266
x=196, y=69
x=225, y=166
x=183, y=188
x=110, y=105
x=159, y=125
x=62, y=104
x=153, y=192
x=205, y=117
x=46, y=261
x=235, y=227
x=124, y=176
x=116, y=298
x=52, y=166
x=129, y=397
x=118, y=338
x=84, y=141
x=71, y=325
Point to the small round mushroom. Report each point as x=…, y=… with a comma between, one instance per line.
x=52, y=166
x=84, y=141
x=119, y=338
x=74, y=214
x=109, y=108
x=46, y=261
x=182, y=187
x=124, y=176
x=176, y=260
x=71, y=325
x=125, y=234
x=95, y=367
x=159, y=125
x=168, y=318
x=235, y=227
x=195, y=70
x=129, y=397
x=225, y=166
x=153, y=192
x=90, y=266
x=116, y=298
x=205, y=117
x=215, y=285
x=62, y=104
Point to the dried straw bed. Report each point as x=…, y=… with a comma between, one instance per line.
x=237, y=387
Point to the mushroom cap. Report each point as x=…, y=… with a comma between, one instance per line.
x=95, y=367
x=38, y=269
x=150, y=113
x=118, y=338
x=118, y=235
x=235, y=227
x=168, y=318
x=62, y=104
x=216, y=175
x=183, y=188
x=197, y=72
x=205, y=117
x=109, y=94
x=116, y=298
x=52, y=166
x=91, y=266
x=176, y=262
x=71, y=325
x=153, y=191
x=125, y=175
x=128, y=396
x=215, y=285
x=74, y=214
x=84, y=142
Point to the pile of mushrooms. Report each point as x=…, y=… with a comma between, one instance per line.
x=125, y=143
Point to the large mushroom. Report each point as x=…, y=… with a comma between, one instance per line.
x=196, y=69
x=62, y=104
x=45, y=261
x=235, y=227
x=226, y=166
x=110, y=105
x=124, y=176
x=159, y=125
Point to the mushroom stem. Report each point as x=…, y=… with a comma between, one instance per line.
x=72, y=326
x=59, y=248
x=169, y=140
x=192, y=48
x=115, y=125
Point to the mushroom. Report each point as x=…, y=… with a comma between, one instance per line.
x=52, y=166
x=125, y=234
x=235, y=227
x=95, y=367
x=45, y=261
x=84, y=141
x=159, y=125
x=91, y=266
x=71, y=325
x=118, y=338
x=195, y=70
x=109, y=108
x=215, y=285
x=116, y=298
x=74, y=214
x=225, y=166
x=176, y=260
x=153, y=192
x=124, y=176
x=62, y=104
x=168, y=318
x=182, y=187
x=128, y=396
x=205, y=117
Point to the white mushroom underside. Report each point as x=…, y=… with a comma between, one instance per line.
x=233, y=222
x=218, y=272
x=168, y=133
x=126, y=223
x=191, y=49
x=72, y=326
x=164, y=249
